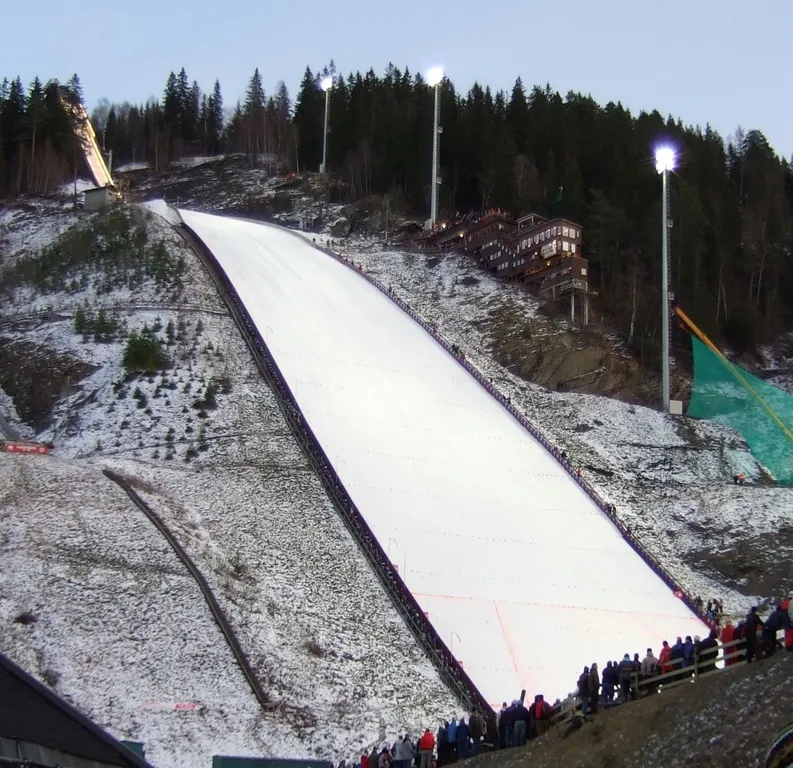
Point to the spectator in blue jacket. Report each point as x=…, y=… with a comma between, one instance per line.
x=462, y=739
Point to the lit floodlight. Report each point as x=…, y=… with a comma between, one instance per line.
x=434, y=76
x=327, y=83
x=664, y=159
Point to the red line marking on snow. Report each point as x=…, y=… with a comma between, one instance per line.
x=443, y=597
x=511, y=648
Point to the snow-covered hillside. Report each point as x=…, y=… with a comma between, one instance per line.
x=94, y=603
x=443, y=473
x=224, y=472
x=670, y=478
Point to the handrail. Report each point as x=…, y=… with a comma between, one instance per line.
x=209, y=597
x=449, y=668
x=506, y=403
x=666, y=680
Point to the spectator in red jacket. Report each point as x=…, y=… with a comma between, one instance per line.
x=426, y=746
x=541, y=714
x=727, y=636
x=663, y=659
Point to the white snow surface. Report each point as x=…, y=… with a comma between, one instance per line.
x=517, y=568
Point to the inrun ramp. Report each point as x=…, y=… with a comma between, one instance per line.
x=522, y=575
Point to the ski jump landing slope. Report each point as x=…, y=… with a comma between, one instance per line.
x=521, y=574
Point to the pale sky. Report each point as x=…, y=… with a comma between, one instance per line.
x=725, y=62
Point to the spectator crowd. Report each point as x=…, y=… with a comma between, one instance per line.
x=619, y=683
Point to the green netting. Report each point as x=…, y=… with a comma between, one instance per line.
x=762, y=413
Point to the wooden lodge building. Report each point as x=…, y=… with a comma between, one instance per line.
x=545, y=254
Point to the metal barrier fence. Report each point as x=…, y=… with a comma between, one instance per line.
x=730, y=655
x=506, y=403
x=217, y=613
x=438, y=652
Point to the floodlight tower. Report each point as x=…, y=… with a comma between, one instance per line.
x=327, y=84
x=665, y=162
x=434, y=80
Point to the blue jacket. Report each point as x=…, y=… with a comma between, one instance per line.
x=462, y=732
x=452, y=730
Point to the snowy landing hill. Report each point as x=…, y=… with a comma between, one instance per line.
x=671, y=478
x=110, y=617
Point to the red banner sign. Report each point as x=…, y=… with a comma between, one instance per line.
x=25, y=448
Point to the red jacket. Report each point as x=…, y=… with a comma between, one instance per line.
x=727, y=636
x=427, y=742
x=663, y=660
x=364, y=761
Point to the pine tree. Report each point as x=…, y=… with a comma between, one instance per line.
x=214, y=120
x=518, y=116
x=190, y=128
x=308, y=121
x=254, y=114
x=74, y=90
x=254, y=96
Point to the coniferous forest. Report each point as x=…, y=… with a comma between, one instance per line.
x=531, y=149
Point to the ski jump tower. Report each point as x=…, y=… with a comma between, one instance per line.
x=105, y=191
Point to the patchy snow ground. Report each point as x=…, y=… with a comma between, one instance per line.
x=33, y=223
x=121, y=629
x=243, y=187
x=316, y=623
x=671, y=478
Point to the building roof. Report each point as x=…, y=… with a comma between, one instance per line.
x=31, y=712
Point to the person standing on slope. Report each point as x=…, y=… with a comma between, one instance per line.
x=727, y=636
x=426, y=747
x=521, y=726
x=403, y=753
x=779, y=619
x=583, y=691
x=541, y=714
x=476, y=729
x=462, y=739
x=625, y=672
x=753, y=624
x=594, y=688
x=443, y=744
x=451, y=732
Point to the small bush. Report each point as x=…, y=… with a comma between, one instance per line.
x=26, y=618
x=50, y=677
x=144, y=354
x=314, y=648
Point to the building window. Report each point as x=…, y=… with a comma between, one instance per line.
x=565, y=245
x=583, y=271
x=572, y=247
x=566, y=232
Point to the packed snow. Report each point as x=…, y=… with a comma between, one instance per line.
x=670, y=477
x=516, y=567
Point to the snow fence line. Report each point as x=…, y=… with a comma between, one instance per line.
x=506, y=403
x=437, y=651
x=214, y=606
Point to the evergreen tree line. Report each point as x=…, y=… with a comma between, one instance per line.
x=188, y=122
x=38, y=148
x=731, y=202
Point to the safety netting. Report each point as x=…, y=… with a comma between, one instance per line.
x=762, y=413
